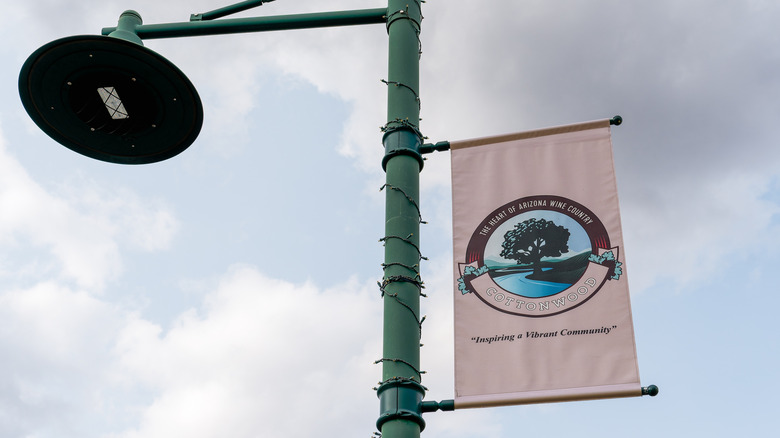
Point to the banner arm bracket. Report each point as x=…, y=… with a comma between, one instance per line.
x=440, y=147
x=433, y=406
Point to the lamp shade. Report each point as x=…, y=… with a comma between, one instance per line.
x=110, y=99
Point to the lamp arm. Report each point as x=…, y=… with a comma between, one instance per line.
x=258, y=24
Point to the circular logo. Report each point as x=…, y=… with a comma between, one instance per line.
x=538, y=256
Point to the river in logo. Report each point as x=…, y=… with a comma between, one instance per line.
x=538, y=256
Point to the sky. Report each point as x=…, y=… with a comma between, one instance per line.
x=232, y=290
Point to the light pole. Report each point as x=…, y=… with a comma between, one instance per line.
x=401, y=391
x=110, y=98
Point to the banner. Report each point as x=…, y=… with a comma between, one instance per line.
x=542, y=310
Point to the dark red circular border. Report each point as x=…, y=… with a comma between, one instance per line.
x=475, y=251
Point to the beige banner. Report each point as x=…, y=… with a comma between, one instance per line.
x=542, y=309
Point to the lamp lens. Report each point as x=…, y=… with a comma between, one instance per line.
x=103, y=110
x=110, y=97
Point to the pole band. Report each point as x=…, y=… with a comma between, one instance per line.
x=400, y=399
x=401, y=138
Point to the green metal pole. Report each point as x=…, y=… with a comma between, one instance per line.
x=401, y=391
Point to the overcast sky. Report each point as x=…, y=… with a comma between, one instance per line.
x=231, y=291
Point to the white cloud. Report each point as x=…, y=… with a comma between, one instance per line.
x=80, y=244
x=79, y=224
x=56, y=324
x=258, y=357
x=143, y=224
x=685, y=234
x=53, y=341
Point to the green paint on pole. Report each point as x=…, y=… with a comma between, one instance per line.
x=401, y=391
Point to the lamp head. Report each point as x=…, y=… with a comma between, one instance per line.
x=110, y=99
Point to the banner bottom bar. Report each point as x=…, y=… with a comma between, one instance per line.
x=549, y=396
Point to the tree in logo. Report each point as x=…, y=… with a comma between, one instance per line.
x=533, y=239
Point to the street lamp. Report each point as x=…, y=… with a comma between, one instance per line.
x=110, y=98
